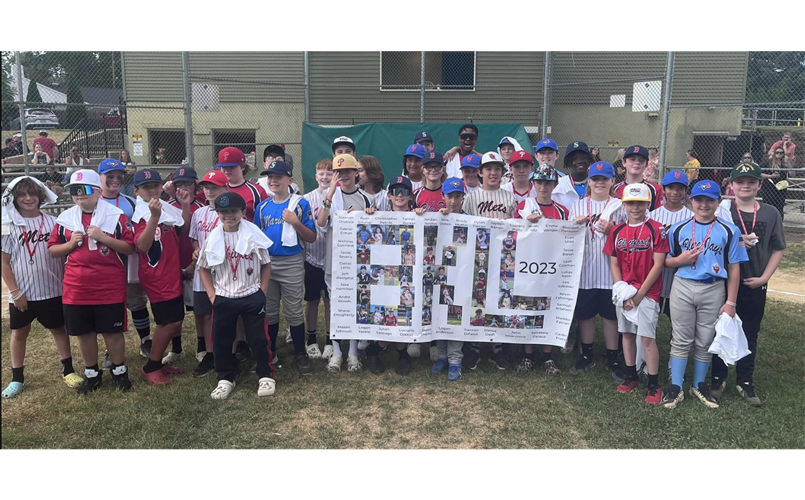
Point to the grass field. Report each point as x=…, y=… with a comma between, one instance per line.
x=486, y=409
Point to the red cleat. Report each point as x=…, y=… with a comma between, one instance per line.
x=628, y=386
x=654, y=395
x=155, y=377
x=172, y=370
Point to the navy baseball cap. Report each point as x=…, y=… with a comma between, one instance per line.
x=636, y=151
x=602, y=169
x=471, y=161
x=546, y=143
x=110, y=165
x=433, y=157
x=423, y=136
x=576, y=146
x=400, y=181
x=185, y=174
x=675, y=177
x=229, y=200
x=417, y=150
x=707, y=188
x=278, y=167
x=453, y=185
x=145, y=176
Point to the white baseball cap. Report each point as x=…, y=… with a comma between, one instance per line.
x=492, y=157
x=85, y=177
x=343, y=140
x=636, y=192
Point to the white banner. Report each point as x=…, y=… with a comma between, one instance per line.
x=405, y=278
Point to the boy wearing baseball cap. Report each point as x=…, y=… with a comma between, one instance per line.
x=156, y=224
x=577, y=161
x=344, y=146
x=97, y=237
x=706, y=252
x=506, y=148
x=272, y=153
x=637, y=251
x=286, y=219
x=547, y=152
x=764, y=239
x=429, y=196
x=232, y=162
x=635, y=161
x=469, y=172
x=425, y=140
x=521, y=165
x=412, y=164
x=235, y=269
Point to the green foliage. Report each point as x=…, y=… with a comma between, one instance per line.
x=7, y=91
x=33, y=96
x=75, y=112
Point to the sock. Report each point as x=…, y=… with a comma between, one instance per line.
x=336, y=348
x=311, y=338
x=298, y=336
x=653, y=380
x=176, y=344
x=678, y=370
x=118, y=370
x=89, y=370
x=202, y=345
x=631, y=372
x=612, y=357
x=152, y=366
x=67, y=366
x=273, y=331
x=17, y=375
x=700, y=372
x=587, y=351
x=353, y=348
x=620, y=343
x=403, y=353
x=142, y=322
x=373, y=349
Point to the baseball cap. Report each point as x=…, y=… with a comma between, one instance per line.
x=601, y=168
x=275, y=149
x=185, y=174
x=343, y=162
x=344, y=140
x=43, y=131
x=145, y=176
x=279, y=167
x=401, y=181
x=505, y=140
x=230, y=157
x=215, y=178
x=636, y=192
x=675, y=177
x=417, y=150
x=229, y=200
x=706, y=188
x=522, y=155
x=746, y=169
x=109, y=165
x=546, y=144
x=423, y=136
x=492, y=157
x=576, y=146
x=471, y=161
x=453, y=185
x=433, y=157
x=85, y=177
x=545, y=173
x=636, y=151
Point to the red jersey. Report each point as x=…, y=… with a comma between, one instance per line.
x=185, y=245
x=94, y=277
x=159, y=269
x=657, y=194
x=391, y=320
x=552, y=211
x=429, y=198
x=634, y=248
x=364, y=257
x=253, y=194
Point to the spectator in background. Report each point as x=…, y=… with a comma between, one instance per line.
x=18, y=143
x=788, y=147
x=692, y=166
x=128, y=178
x=126, y=160
x=775, y=177
x=39, y=157
x=596, y=154
x=620, y=170
x=10, y=149
x=653, y=168
x=52, y=179
x=75, y=161
x=49, y=146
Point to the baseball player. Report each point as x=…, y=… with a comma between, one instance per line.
x=635, y=161
x=232, y=162
x=344, y=146
x=412, y=164
x=571, y=188
x=272, y=153
x=469, y=172
x=521, y=164
x=429, y=196
x=547, y=152
x=424, y=139
x=506, y=148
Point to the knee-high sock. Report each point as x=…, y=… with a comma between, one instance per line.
x=337, y=349
x=678, y=366
x=700, y=372
x=353, y=348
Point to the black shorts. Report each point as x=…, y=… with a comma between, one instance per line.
x=314, y=283
x=100, y=318
x=595, y=302
x=169, y=311
x=201, y=304
x=48, y=312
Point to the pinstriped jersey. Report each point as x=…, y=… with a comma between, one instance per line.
x=657, y=194
x=497, y=204
x=238, y=275
x=595, y=273
x=42, y=278
x=668, y=219
x=185, y=247
x=316, y=252
x=203, y=222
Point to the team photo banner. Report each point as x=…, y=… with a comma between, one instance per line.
x=401, y=277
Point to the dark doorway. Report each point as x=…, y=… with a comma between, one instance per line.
x=172, y=143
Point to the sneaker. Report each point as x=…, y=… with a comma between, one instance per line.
x=471, y=357
x=403, y=366
x=122, y=381
x=499, y=359
x=335, y=363
x=157, y=377
x=375, y=364
x=224, y=389
x=413, y=350
x=454, y=372
x=327, y=353
x=173, y=357
x=717, y=389
x=353, y=364
x=525, y=366
x=242, y=352
x=654, y=395
x=628, y=385
x=200, y=355
x=145, y=347
x=107, y=363
x=266, y=387
x=303, y=364
x=90, y=384
x=582, y=365
x=703, y=393
x=616, y=371
x=313, y=351
x=550, y=367
x=439, y=366
x=205, y=366
x=434, y=352
x=673, y=396
x=747, y=390
x=73, y=380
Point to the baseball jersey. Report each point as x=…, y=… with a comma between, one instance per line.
x=268, y=218
x=595, y=272
x=93, y=277
x=476, y=321
x=253, y=194
x=238, y=275
x=382, y=202
x=38, y=275
x=356, y=200
x=123, y=202
x=497, y=204
x=720, y=250
x=159, y=271
x=201, y=225
x=185, y=246
x=769, y=230
x=634, y=245
x=552, y=211
x=431, y=199
x=529, y=193
x=657, y=194
x=668, y=218
x=470, y=189
x=315, y=252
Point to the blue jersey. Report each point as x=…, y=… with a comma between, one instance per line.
x=123, y=202
x=581, y=189
x=268, y=217
x=720, y=250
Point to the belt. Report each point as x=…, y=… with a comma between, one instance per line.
x=707, y=281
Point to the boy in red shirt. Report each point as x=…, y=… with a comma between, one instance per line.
x=429, y=196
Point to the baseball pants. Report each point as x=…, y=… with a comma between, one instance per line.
x=225, y=314
x=694, y=312
x=450, y=350
x=287, y=283
x=751, y=306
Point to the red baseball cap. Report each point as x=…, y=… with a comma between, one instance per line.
x=521, y=156
x=216, y=178
x=230, y=157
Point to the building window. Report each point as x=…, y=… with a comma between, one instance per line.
x=444, y=71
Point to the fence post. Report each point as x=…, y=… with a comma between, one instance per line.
x=307, y=86
x=422, y=89
x=666, y=112
x=188, y=117
x=21, y=104
x=545, y=84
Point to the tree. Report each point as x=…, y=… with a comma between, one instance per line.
x=776, y=77
x=33, y=96
x=9, y=94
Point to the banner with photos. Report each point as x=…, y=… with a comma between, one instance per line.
x=401, y=277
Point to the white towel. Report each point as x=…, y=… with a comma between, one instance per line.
x=105, y=216
x=170, y=216
x=337, y=204
x=453, y=167
x=514, y=142
x=531, y=206
x=10, y=215
x=289, y=236
x=730, y=341
x=250, y=237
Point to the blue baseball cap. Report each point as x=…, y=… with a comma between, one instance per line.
x=145, y=176
x=675, y=177
x=110, y=165
x=453, y=185
x=505, y=140
x=602, y=169
x=433, y=157
x=417, y=150
x=636, y=151
x=471, y=161
x=400, y=181
x=278, y=167
x=423, y=136
x=546, y=143
x=185, y=174
x=707, y=188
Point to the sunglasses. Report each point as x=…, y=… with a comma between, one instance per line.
x=400, y=191
x=81, y=190
x=747, y=158
x=432, y=166
x=779, y=153
x=468, y=137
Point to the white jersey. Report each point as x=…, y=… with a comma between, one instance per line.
x=529, y=193
x=667, y=219
x=470, y=189
x=39, y=276
x=595, y=273
x=497, y=204
x=316, y=252
x=238, y=275
x=382, y=202
x=203, y=222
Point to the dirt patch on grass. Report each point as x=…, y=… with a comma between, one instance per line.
x=788, y=285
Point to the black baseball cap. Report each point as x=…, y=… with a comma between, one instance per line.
x=278, y=167
x=400, y=181
x=275, y=149
x=577, y=146
x=636, y=151
x=145, y=176
x=229, y=200
x=423, y=136
x=185, y=174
